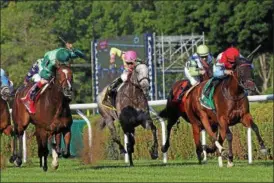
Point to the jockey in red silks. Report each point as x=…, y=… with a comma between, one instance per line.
x=223, y=67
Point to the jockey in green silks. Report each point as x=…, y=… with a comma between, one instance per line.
x=42, y=71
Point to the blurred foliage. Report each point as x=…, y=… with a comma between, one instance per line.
x=30, y=28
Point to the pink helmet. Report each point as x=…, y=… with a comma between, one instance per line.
x=130, y=56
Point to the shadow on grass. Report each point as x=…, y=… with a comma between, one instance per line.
x=137, y=165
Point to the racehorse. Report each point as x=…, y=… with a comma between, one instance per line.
x=5, y=125
x=175, y=109
x=231, y=107
x=131, y=110
x=53, y=116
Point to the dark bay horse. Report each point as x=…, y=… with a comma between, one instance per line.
x=175, y=109
x=231, y=107
x=53, y=116
x=132, y=111
x=5, y=123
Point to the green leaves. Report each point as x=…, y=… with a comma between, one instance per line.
x=29, y=29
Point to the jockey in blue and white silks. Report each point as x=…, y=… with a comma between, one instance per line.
x=5, y=82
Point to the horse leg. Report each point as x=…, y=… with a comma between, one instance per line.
x=58, y=143
x=54, y=163
x=206, y=124
x=114, y=136
x=170, y=123
x=67, y=138
x=229, y=138
x=42, y=141
x=18, y=161
x=248, y=122
x=8, y=130
x=154, y=149
x=14, y=151
x=130, y=146
x=223, y=130
x=196, y=136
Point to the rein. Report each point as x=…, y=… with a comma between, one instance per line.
x=225, y=90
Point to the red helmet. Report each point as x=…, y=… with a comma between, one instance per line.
x=231, y=54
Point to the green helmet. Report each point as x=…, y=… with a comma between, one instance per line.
x=202, y=50
x=63, y=55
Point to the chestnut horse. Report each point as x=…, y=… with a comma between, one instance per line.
x=175, y=109
x=132, y=111
x=231, y=107
x=53, y=116
x=5, y=125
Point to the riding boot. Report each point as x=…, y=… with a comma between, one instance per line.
x=114, y=85
x=213, y=83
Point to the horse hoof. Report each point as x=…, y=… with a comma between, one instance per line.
x=66, y=155
x=54, y=166
x=263, y=151
x=164, y=149
x=45, y=168
x=230, y=164
x=12, y=158
x=154, y=155
x=18, y=162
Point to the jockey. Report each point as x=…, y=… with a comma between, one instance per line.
x=5, y=82
x=196, y=66
x=42, y=71
x=129, y=60
x=223, y=67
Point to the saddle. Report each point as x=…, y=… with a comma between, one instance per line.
x=206, y=99
x=180, y=90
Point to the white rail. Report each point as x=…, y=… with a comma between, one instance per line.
x=254, y=98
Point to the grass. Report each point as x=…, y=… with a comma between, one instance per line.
x=72, y=170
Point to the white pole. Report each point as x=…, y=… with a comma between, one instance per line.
x=249, y=145
x=24, y=148
x=126, y=141
x=163, y=131
x=163, y=64
x=89, y=130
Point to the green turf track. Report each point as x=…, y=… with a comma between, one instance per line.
x=72, y=170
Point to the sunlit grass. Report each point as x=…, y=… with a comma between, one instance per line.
x=72, y=170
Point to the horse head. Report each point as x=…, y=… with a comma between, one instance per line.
x=5, y=92
x=243, y=71
x=64, y=78
x=140, y=77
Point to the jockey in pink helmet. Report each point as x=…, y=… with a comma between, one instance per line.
x=129, y=61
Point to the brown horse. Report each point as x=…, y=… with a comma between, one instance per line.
x=175, y=109
x=231, y=107
x=132, y=111
x=5, y=125
x=53, y=116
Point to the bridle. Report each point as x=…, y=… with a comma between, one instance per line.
x=66, y=89
x=236, y=75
